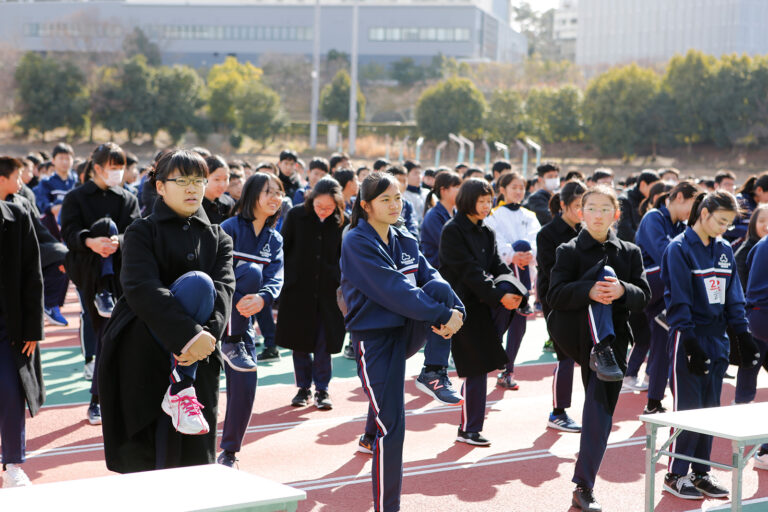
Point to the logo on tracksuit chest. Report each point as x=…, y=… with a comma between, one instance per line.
x=407, y=259
x=723, y=261
x=266, y=252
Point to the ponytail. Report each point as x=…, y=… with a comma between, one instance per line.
x=712, y=201
x=748, y=188
x=443, y=180
x=696, y=209
x=357, y=211
x=657, y=190
x=372, y=187
x=687, y=188
x=554, y=205
x=569, y=193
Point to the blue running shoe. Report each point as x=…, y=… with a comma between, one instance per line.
x=54, y=316
x=104, y=303
x=228, y=459
x=237, y=357
x=438, y=386
x=94, y=414
x=563, y=422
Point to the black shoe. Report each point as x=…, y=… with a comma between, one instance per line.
x=603, y=363
x=269, y=354
x=473, y=438
x=525, y=310
x=302, y=398
x=682, y=487
x=708, y=485
x=584, y=499
x=728, y=376
x=228, y=459
x=654, y=409
x=349, y=352
x=323, y=401
x=105, y=303
x=365, y=444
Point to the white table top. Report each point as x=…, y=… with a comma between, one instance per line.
x=747, y=422
x=198, y=488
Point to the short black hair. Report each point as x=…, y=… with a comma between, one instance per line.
x=668, y=170
x=724, y=175
x=395, y=170
x=9, y=165
x=575, y=175
x=429, y=173
x=288, y=154
x=460, y=165
x=380, y=164
x=63, y=147
x=411, y=164
x=602, y=172
x=187, y=163
x=131, y=159
x=470, y=191
x=35, y=159
x=547, y=167
x=319, y=163
x=203, y=152
x=470, y=171
x=500, y=166
x=361, y=169
x=647, y=176
x=335, y=159
x=215, y=162
x=344, y=176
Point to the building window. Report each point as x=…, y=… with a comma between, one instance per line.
x=418, y=34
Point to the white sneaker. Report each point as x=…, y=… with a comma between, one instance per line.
x=185, y=412
x=88, y=370
x=14, y=476
x=761, y=461
x=634, y=384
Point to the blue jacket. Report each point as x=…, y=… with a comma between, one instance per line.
x=51, y=191
x=702, y=292
x=431, y=228
x=747, y=204
x=300, y=194
x=381, y=282
x=757, y=282
x=410, y=220
x=654, y=233
x=266, y=249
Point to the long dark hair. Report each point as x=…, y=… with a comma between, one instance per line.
x=372, y=187
x=658, y=189
x=687, y=188
x=712, y=201
x=443, y=180
x=752, y=229
x=326, y=186
x=249, y=198
x=570, y=192
x=105, y=154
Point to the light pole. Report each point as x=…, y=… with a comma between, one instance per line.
x=315, y=102
x=353, y=85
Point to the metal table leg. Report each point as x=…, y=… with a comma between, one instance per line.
x=650, y=465
x=738, y=467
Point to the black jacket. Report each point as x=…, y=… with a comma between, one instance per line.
x=52, y=252
x=741, y=260
x=629, y=203
x=312, y=250
x=549, y=238
x=469, y=262
x=538, y=203
x=220, y=209
x=290, y=184
x=133, y=368
x=21, y=297
x=578, y=264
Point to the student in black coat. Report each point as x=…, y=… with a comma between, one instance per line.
x=21, y=327
x=218, y=206
x=596, y=282
x=629, y=203
x=94, y=217
x=312, y=247
x=148, y=323
x=469, y=261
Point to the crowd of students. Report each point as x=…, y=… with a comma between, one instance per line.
x=178, y=265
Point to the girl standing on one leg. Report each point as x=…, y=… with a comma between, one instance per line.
x=258, y=263
x=393, y=295
x=657, y=228
x=516, y=230
x=565, y=225
x=312, y=245
x=470, y=262
x=597, y=280
x=703, y=298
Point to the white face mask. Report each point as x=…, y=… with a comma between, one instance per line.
x=552, y=184
x=114, y=178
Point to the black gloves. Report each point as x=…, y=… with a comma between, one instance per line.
x=748, y=353
x=698, y=362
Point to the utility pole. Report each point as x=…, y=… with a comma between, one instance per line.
x=353, y=85
x=315, y=79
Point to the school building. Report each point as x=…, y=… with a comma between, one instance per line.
x=204, y=32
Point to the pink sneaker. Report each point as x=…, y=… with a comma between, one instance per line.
x=185, y=412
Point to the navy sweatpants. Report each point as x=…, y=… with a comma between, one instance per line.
x=381, y=356
x=696, y=392
x=562, y=384
x=12, y=403
x=746, y=379
x=599, y=401
x=55, y=284
x=241, y=386
x=315, y=366
x=658, y=356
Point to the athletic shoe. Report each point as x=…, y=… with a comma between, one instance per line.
x=323, y=401
x=94, y=414
x=365, y=444
x=473, y=438
x=728, y=376
x=88, y=369
x=227, y=458
x=237, y=357
x=584, y=499
x=438, y=386
x=104, y=303
x=349, y=352
x=563, y=422
x=708, y=485
x=661, y=319
x=185, y=411
x=634, y=384
x=302, y=398
x=54, y=316
x=525, y=310
x=682, y=487
x=451, y=362
x=549, y=346
x=761, y=459
x=14, y=476
x=603, y=363
x=507, y=380
x=268, y=355
x=654, y=410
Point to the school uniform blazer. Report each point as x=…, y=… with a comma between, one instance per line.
x=312, y=274
x=469, y=261
x=52, y=190
x=578, y=264
x=431, y=229
x=134, y=368
x=21, y=297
